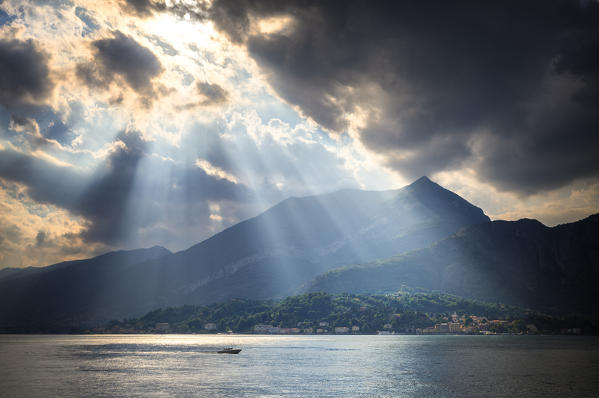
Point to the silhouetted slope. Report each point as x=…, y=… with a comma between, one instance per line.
x=70, y=293
x=270, y=255
x=521, y=262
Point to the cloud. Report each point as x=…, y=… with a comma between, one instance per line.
x=114, y=200
x=105, y=201
x=142, y=8
x=210, y=94
x=510, y=90
x=272, y=157
x=24, y=73
x=213, y=94
x=101, y=199
x=20, y=123
x=121, y=58
x=46, y=181
x=28, y=132
x=88, y=20
x=212, y=170
x=37, y=234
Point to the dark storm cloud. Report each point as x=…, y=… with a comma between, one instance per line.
x=113, y=200
x=20, y=121
x=40, y=239
x=510, y=88
x=105, y=201
x=142, y=8
x=120, y=56
x=24, y=73
x=213, y=93
x=46, y=182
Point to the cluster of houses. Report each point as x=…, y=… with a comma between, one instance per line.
x=453, y=324
x=470, y=325
x=323, y=328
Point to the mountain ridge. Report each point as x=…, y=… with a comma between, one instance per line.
x=267, y=256
x=518, y=262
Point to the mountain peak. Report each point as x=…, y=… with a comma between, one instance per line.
x=425, y=184
x=445, y=202
x=422, y=180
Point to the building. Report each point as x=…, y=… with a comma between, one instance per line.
x=162, y=327
x=454, y=327
x=341, y=329
x=266, y=329
x=571, y=331
x=210, y=326
x=323, y=324
x=387, y=326
x=262, y=328
x=442, y=327
x=355, y=328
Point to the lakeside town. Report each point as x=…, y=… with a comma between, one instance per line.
x=454, y=324
x=339, y=314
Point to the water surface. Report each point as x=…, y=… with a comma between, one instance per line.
x=274, y=366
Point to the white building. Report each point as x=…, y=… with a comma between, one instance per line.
x=210, y=326
x=267, y=329
x=162, y=327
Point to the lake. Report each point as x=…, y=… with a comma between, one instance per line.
x=275, y=366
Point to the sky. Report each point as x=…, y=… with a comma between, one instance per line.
x=133, y=123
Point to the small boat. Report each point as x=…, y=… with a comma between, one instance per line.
x=230, y=350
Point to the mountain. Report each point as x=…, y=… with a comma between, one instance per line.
x=274, y=253
x=65, y=294
x=520, y=262
x=268, y=256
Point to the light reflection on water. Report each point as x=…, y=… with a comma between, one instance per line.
x=272, y=366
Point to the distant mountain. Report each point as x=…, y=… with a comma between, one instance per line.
x=521, y=262
x=267, y=256
x=65, y=294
